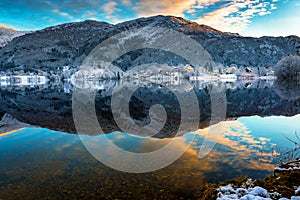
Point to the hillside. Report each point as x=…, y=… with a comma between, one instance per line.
x=7, y=34
x=68, y=44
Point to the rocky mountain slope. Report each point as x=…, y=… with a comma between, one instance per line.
x=69, y=44
x=7, y=34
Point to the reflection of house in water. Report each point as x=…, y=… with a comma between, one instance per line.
x=163, y=77
x=241, y=84
x=247, y=74
x=214, y=77
x=204, y=77
x=228, y=78
x=4, y=80
x=22, y=80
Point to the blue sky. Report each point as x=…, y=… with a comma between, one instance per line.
x=247, y=17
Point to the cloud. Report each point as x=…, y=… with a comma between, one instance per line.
x=63, y=14
x=110, y=7
x=126, y=2
x=260, y=148
x=6, y=27
x=226, y=15
x=90, y=14
x=273, y=7
x=205, y=3
x=232, y=16
x=236, y=15
x=165, y=7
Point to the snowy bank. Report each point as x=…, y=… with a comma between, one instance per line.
x=250, y=192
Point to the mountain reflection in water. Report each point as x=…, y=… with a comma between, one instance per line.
x=40, y=163
x=50, y=106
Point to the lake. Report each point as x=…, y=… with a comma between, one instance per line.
x=53, y=162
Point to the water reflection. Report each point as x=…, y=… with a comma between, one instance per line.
x=40, y=162
x=106, y=86
x=50, y=105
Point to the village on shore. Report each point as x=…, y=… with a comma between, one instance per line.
x=164, y=75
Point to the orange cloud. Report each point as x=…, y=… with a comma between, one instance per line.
x=165, y=7
x=232, y=17
x=244, y=147
x=110, y=7
x=6, y=27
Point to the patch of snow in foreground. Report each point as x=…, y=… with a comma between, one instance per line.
x=252, y=193
x=278, y=169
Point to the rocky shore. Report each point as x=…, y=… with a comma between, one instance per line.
x=280, y=186
x=8, y=123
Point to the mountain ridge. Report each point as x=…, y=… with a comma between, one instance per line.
x=7, y=34
x=69, y=44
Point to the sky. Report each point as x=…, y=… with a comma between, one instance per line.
x=246, y=17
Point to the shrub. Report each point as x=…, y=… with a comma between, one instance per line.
x=288, y=68
x=287, y=85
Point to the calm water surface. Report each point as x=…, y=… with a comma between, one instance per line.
x=40, y=163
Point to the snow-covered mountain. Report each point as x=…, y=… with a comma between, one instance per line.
x=69, y=44
x=7, y=34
